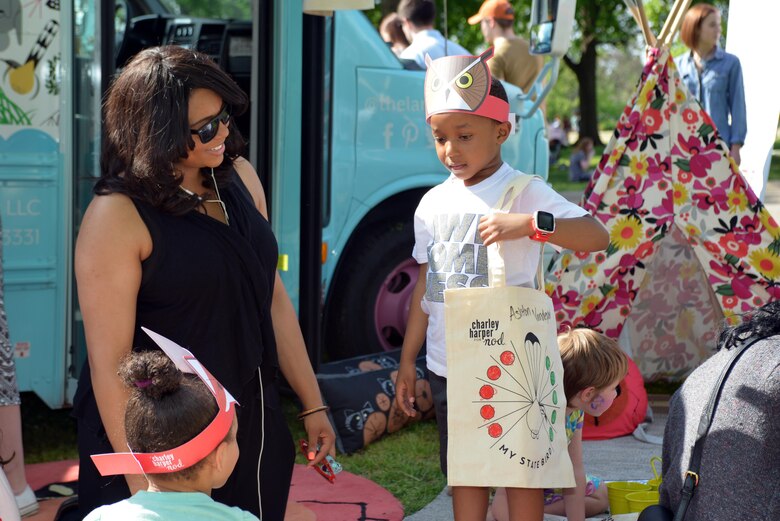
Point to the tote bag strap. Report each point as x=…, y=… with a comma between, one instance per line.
x=496, y=266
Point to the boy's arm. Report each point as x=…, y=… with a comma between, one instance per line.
x=580, y=234
x=414, y=337
x=574, y=498
x=575, y=233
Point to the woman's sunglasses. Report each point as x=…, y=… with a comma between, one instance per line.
x=209, y=131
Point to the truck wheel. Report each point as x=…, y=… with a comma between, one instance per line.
x=391, y=306
x=369, y=304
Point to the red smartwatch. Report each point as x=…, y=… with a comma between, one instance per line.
x=543, y=224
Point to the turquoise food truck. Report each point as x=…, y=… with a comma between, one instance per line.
x=336, y=130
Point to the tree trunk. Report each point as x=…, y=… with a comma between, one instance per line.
x=585, y=71
x=589, y=121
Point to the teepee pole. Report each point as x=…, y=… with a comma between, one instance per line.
x=678, y=20
x=638, y=12
x=665, y=30
x=645, y=25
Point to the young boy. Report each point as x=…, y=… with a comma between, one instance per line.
x=593, y=366
x=469, y=117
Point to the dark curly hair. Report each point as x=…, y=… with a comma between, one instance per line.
x=759, y=323
x=166, y=408
x=147, y=129
x=497, y=89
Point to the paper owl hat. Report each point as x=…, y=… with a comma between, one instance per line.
x=462, y=84
x=189, y=453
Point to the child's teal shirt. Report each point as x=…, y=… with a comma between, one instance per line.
x=169, y=506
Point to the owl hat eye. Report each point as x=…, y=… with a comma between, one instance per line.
x=462, y=84
x=465, y=80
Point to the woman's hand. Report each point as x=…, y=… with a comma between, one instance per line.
x=735, y=153
x=319, y=431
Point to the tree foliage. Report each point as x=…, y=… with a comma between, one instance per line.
x=604, y=31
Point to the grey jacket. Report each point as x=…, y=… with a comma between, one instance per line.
x=740, y=466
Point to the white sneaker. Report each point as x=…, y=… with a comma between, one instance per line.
x=27, y=502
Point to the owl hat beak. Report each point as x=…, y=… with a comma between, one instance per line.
x=462, y=84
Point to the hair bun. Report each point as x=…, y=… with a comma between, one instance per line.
x=150, y=373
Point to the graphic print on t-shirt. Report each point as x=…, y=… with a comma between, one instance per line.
x=456, y=257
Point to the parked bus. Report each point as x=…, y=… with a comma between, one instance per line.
x=336, y=130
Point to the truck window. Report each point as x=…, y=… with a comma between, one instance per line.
x=236, y=10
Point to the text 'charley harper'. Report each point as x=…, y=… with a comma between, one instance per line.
x=487, y=332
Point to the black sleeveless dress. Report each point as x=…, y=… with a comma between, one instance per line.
x=208, y=287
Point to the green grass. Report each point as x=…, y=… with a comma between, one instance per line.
x=666, y=387
x=49, y=435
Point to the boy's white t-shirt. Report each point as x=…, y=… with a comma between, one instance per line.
x=446, y=237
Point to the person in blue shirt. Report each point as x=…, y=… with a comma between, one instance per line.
x=713, y=75
x=418, y=18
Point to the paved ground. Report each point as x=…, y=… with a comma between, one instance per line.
x=614, y=460
x=772, y=198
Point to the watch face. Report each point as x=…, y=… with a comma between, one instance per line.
x=545, y=221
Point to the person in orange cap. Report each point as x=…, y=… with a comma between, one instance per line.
x=511, y=60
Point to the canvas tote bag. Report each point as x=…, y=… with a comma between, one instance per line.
x=506, y=421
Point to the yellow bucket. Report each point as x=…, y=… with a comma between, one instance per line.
x=617, y=492
x=656, y=481
x=638, y=501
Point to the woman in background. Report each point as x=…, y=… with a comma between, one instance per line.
x=713, y=75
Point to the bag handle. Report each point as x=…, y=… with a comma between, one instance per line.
x=691, y=480
x=496, y=266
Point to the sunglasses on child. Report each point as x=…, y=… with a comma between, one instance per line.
x=209, y=131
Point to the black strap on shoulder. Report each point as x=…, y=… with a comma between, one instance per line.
x=691, y=480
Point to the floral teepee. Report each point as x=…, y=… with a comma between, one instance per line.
x=690, y=243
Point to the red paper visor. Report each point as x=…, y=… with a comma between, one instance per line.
x=191, y=452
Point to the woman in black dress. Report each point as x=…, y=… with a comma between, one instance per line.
x=177, y=240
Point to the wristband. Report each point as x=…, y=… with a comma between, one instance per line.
x=307, y=412
x=543, y=224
